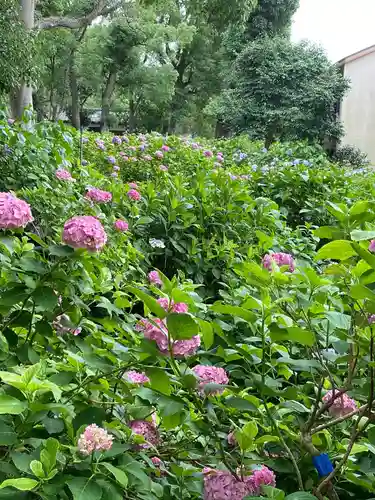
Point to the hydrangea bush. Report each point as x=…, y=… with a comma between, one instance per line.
x=185, y=343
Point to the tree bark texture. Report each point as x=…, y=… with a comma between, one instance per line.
x=106, y=100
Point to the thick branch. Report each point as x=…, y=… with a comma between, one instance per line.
x=100, y=9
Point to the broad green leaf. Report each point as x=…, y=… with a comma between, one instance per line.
x=182, y=326
x=236, y=311
x=45, y=298
x=119, y=474
x=240, y=404
x=11, y=406
x=61, y=250
x=338, y=210
x=250, y=429
x=362, y=292
x=49, y=453
x=207, y=333
x=110, y=491
x=329, y=233
x=292, y=334
x=152, y=304
x=7, y=434
x=21, y=461
x=159, y=380
x=22, y=483
x=37, y=468
x=84, y=488
x=337, y=250
x=364, y=254
x=359, y=235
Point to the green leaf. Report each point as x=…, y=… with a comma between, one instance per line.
x=45, y=298
x=110, y=491
x=22, y=483
x=60, y=250
x=250, y=429
x=182, y=326
x=21, y=461
x=11, y=406
x=159, y=380
x=292, y=334
x=362, y=292
x=329, y=233
x=7, y=435
x=364, y=254
x=37, y=468
x=207, y=333
x=359, y=235
x=49, y=453
x=337, y=250
x=236, y=311
x=240, y=404
x=84, y=488
x=150, y=302
x=119, y=474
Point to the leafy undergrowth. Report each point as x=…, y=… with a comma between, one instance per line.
x=183, y=332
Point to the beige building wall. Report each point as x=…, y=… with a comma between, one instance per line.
x=358, y=107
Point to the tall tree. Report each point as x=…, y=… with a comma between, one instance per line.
x=283, y=90
x=31, y=17
x=270, y=17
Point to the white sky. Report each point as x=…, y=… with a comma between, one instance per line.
x=340, y=26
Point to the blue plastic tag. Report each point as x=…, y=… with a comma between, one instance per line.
x=323, y=464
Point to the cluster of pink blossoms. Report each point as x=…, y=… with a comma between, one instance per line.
x=98, y=196
x=154, y=278
x=208, y=154
x=176, y=307
x=94, y=438
x=223, y=485
x=165, y=148
x=121, y=226
x=280, y=259
x=135, y=377
x=64, y=175
x=133, y=194
x=159, y=154
x=341, y=406
x=163, y=168
x=14, y=213
x=158, y=332
x=146, y=429
x=372, y=246
x=211, y=375
x=84, y=232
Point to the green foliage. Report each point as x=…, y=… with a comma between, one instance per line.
x=72, y=323
x=283, y=90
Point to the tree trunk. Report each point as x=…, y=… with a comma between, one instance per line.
x=106, y=100
x=132, y=117
x=76, y=119
x=22, y=97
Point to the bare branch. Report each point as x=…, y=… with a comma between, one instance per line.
x=101, y=8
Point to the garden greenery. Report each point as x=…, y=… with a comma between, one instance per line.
x=182, y=319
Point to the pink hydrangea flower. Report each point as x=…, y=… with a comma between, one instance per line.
x=14, y=213
x=136, y=377
x=133, y=194
x=178, y=307
x=280, y=259
x=163, y=168
x=133, y=185
x=147, y=157
x=159, y=154
x=121, y=226
x=146, y=429
x=342, y=405
x=223, y=485
x=165, y=147
x=94, y=438
x=154, y=278
x=10, y=121
x=98, y=196
x=84, y=232
x=158, y=332
x=211, y=375
x=260, y=477
x=64, y=175
x=220, y=158
x=195, y=145
x=371, y=319
x=208, y=153
x=372, y=246
x=157, y=462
